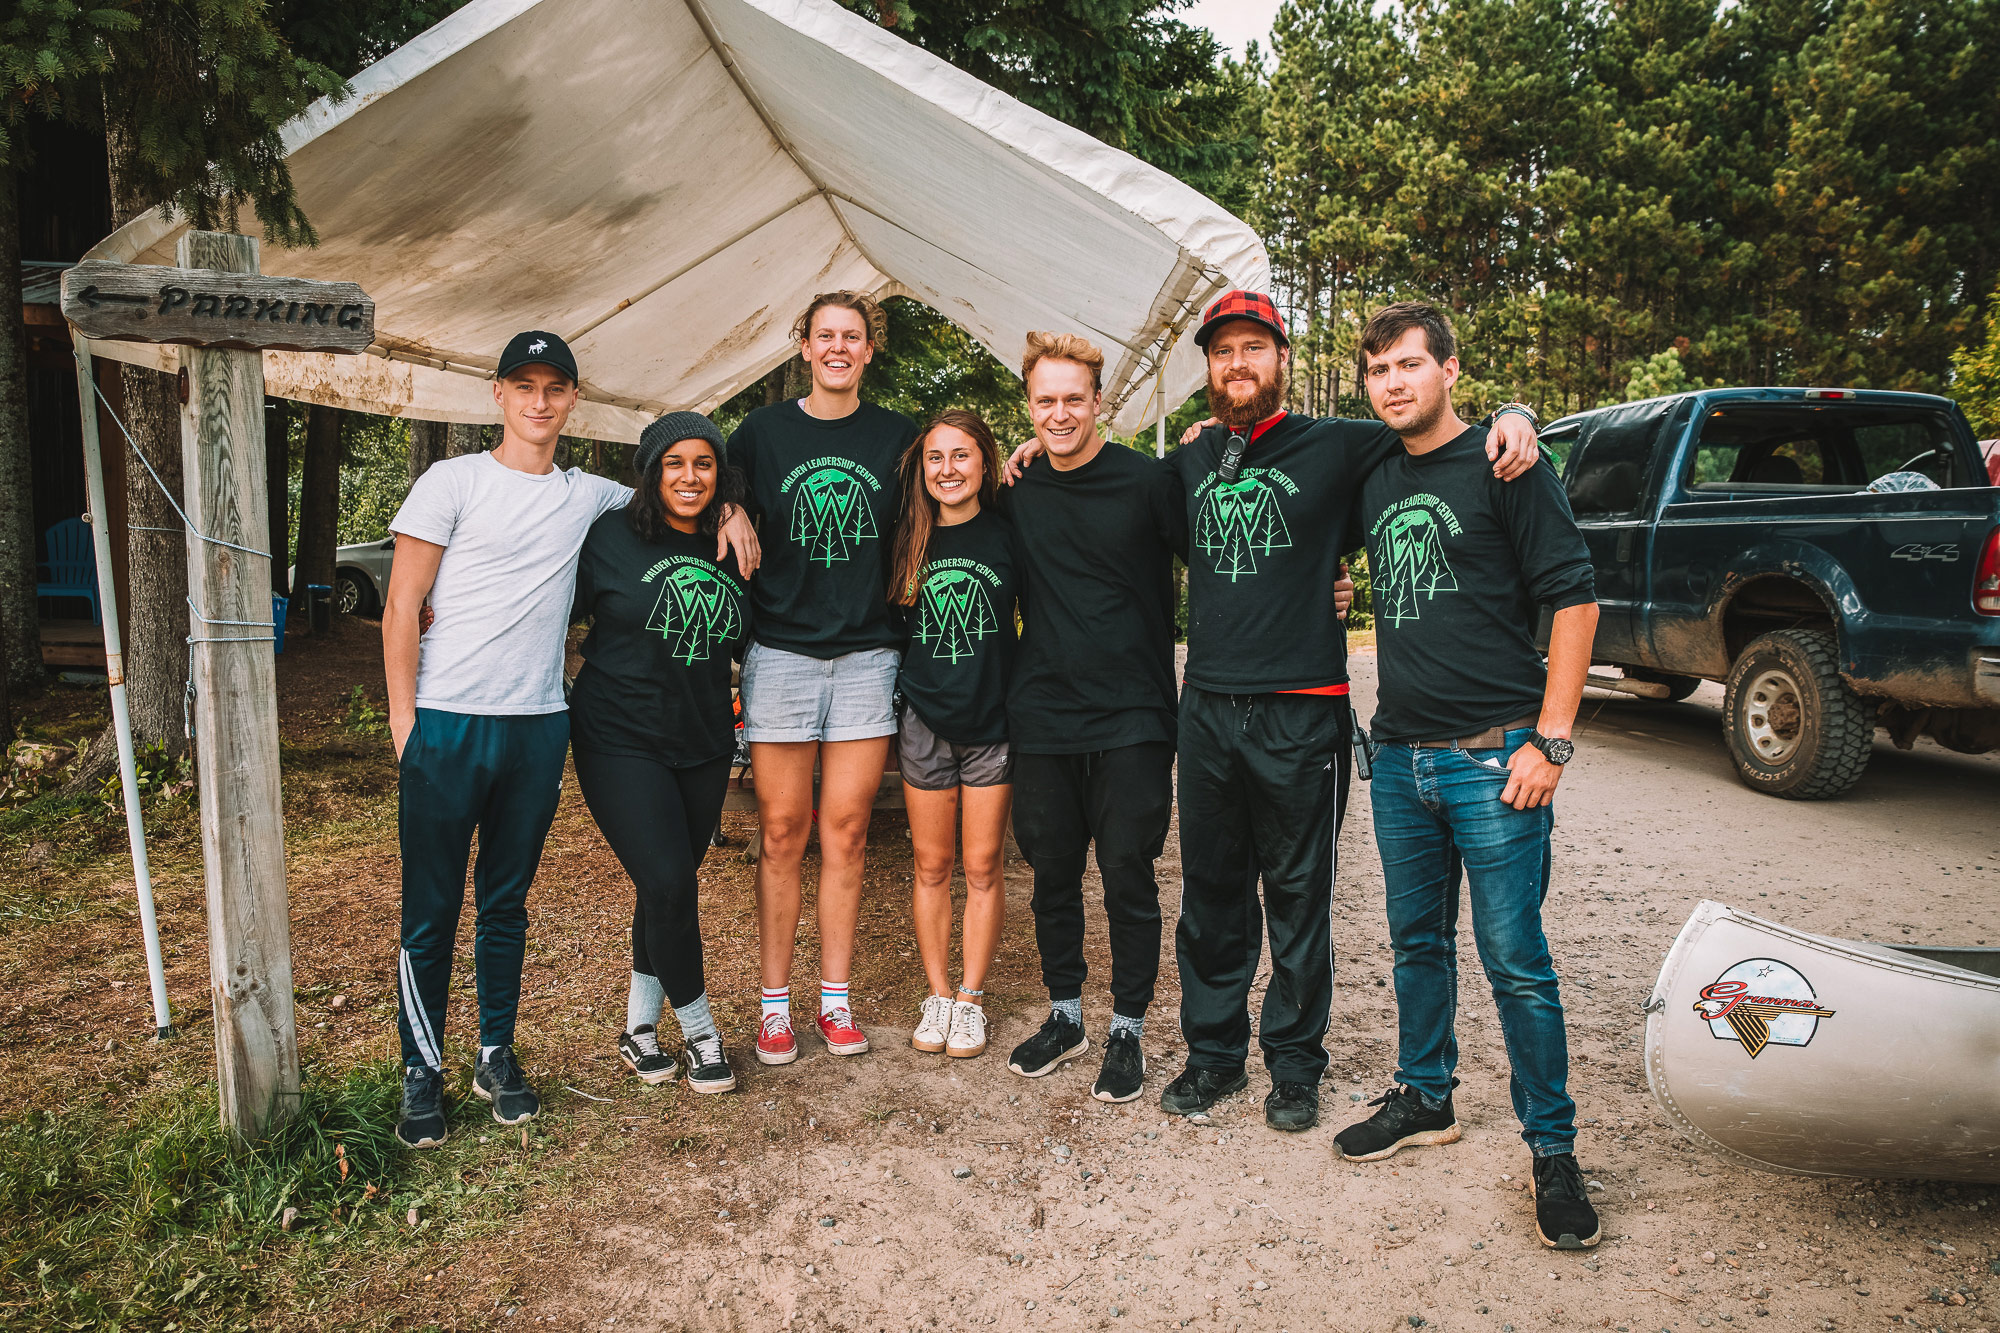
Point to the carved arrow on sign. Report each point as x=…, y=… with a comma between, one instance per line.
x=91, y=297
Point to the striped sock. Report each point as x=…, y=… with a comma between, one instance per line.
x=777, y=1002
x=832, y=996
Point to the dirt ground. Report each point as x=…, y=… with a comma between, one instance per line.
x=897, y=1191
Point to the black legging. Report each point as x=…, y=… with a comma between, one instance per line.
x=659, y=820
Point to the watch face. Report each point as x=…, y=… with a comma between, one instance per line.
x=1558, y=751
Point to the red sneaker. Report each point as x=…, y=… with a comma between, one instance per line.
x=842, y=1037
x=775, y=1043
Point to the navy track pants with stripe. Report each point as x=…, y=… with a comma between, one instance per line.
x=461, y=773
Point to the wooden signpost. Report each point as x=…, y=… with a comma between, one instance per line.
x=219, y=307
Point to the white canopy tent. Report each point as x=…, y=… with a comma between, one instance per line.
x=666, y=183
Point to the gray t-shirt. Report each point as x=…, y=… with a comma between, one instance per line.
x=504, y=587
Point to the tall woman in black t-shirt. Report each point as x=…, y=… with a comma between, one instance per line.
x=651, y=722
x=954, y=570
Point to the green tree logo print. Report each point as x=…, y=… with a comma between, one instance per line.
x=1413, y=566
x=695, y=611
x=1238, y=523
x=831, y=516
x=953, y=615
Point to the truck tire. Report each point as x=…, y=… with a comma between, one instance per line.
x=1795, y=728
x=354, y=594
x=1678, y=687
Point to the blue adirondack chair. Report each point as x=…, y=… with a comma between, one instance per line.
x=72, y=565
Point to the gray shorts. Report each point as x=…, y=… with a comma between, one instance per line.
x=932, y=763
x=791, y=697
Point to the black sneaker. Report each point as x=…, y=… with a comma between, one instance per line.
x=640, y=1050
x=1292, y=1107
x=422, y=1125
x=1124, y=1069
x=1059, y=1040
x=1404, y=1121
x=1563, y=1216
x=499, y=1081
x=1198, y=1089
x=707, y=1068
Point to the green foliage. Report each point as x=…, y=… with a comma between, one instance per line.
x=1975, y=375
x=363, y=718
x=1657, y=376
x=1776, y=191
x=148, y=1215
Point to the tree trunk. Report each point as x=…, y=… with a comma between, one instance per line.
x=277, y=489
x=20, y=635
x=461, y=438
x=427, y=445
x=319, y=499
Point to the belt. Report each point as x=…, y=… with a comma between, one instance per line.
x=1493, y=738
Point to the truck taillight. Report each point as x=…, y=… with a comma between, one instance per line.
x=1986, y=583
x=1834, y=395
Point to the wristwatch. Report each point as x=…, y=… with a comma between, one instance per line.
x=1554, y=749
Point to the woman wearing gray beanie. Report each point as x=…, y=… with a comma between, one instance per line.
x=652, y=726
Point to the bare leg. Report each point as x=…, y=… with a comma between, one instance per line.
x=985, y=879
x=783, y=772
x=934, y=843
x=850, y=775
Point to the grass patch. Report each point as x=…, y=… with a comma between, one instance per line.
x=148, y=1217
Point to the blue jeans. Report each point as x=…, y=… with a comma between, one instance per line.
x=1439, y=817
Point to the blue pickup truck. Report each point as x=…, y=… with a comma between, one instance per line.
x=1831, y=555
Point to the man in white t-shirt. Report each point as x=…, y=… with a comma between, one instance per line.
x=477, y=713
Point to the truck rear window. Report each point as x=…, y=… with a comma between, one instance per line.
x=1808, y=448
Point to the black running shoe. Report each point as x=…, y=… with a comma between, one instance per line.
x=707, y=1067
x=1563, y=1215
x=640, y=1050
x=1124, y=1069
x=1292, y=1107
x=1198, y=1089
x=422, y=1125
x=500, y=1082
x=1404, y=1121
x=1059, y=1040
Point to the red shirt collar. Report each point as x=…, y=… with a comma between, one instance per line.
x=1266, y=424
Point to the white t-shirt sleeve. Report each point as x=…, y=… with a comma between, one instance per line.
x=609, y=494
x=430, y=511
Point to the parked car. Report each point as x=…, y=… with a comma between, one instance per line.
x=1757, y=537
x=360, y=577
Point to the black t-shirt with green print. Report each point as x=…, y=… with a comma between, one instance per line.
x=1264, y=553
x=961, y=645
x=666, y=618
x=1462, y=565
x=826, y=493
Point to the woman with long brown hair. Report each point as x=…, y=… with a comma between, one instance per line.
x=953, y=569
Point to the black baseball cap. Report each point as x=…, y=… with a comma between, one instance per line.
x=537, y=347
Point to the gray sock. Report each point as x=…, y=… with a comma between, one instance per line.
x=1135, y=1026
x=696, y=1021
x=1070, y=1009
x=642, y=1006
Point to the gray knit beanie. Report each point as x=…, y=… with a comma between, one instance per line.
x=669, y=431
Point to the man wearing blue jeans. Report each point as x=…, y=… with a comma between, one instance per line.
x=1473, y=732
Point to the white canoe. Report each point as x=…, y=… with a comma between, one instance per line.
x=1792, y=1052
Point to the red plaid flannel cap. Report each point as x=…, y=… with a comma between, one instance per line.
x=1240, y=304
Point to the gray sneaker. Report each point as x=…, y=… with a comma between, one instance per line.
x=499, y=1081
x=422, y=1125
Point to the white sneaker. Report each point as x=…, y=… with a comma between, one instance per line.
x=934, y=1027
x=968, y=1030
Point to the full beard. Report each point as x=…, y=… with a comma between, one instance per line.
x=1242, y=414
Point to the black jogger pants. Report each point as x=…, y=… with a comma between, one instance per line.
x=1122, y=800
x=1263, y=783
x=658, y=821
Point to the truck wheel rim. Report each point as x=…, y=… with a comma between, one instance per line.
x=1773, y=717
x=350, y=597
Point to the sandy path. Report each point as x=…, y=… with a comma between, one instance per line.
x=1075, y=1215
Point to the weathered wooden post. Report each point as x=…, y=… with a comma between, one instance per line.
x=222, y=311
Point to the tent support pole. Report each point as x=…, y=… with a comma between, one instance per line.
x=114, y=670
x=1160, y=437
